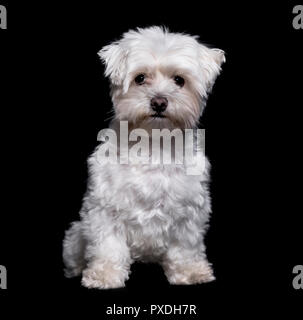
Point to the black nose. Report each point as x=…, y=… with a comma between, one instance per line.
x=159, y=104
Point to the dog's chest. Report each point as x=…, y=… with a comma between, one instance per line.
x=156, y=188
x=151, y=201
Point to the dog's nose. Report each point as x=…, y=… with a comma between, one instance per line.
x=159, y=104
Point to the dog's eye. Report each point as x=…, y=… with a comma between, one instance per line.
x=140, y=79
x=179, y=81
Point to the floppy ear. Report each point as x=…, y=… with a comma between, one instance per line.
x=211, y=61
x=114, y=58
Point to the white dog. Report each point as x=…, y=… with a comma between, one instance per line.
x=139, y=211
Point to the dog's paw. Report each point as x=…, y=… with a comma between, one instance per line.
x=104, y=276
x=189, y=273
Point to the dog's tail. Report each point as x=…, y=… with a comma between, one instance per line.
x=73, y=250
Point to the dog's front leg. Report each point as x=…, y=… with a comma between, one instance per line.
x=108, y=263
x=184, y=265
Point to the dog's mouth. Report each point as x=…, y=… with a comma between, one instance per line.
x=158, y=115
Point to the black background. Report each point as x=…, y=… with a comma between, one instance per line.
x=54, y=100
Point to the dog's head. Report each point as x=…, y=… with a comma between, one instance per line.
x=160, y=79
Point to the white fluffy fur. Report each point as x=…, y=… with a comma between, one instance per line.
x=139, y=211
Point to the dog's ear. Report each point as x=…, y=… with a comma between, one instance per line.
x=211, y=61
x=114, y=58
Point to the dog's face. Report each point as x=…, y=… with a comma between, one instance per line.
x=159, y=79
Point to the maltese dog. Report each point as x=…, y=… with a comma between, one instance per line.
x=134, y=211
